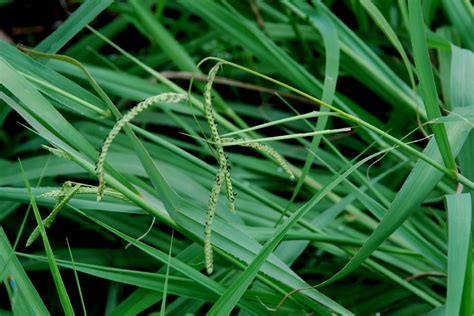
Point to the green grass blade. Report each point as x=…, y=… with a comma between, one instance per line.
x=463, y=20
x=229, y=299
x=163, y=38
x=165, y=288
x=177, y=285
x=427, y=84
x=58, y=281
x=83, y=48
x=73, y=25
x=33, y=101
x=422, y=179
x=79, y=289
x=390, y=33
x=462, y=96
x=24, y=295
x=332, y=51
x=444, y=59
x=370, y=127
x=458, y=301
x=174, y=263
x=462, y=78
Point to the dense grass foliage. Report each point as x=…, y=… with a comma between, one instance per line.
x=324, y=166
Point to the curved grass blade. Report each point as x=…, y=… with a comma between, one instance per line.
x=390, y=33
x=166, y=193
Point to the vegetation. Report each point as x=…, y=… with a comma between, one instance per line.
x=350, y=192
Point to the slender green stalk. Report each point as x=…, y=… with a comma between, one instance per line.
x=277, y=122
x=453, y=175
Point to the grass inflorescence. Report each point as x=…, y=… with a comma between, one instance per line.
x=366, y=104
x=140, y=107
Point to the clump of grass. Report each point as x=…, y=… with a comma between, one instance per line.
x=340, y=213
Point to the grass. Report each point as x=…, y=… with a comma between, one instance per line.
x=341, y=95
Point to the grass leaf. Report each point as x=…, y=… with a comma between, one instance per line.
x=58, y=281
x=458, y=301
x=427, y=84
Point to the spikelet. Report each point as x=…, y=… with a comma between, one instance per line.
x=164, y=97
x=229, y=191
x=86, y=189
x=266, y=149
x=211, y=209
x=67, y=194
x=223, y=174
x=222, y=159
x=57, y=152
x=208, y=109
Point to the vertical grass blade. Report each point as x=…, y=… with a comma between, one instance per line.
x=76, y=276
x=458, y=300
x=58, y=281
x=165, y=288
x=161, y=36
x=319, y=21
x=427, y=83
x=390, y=33
x=462, y=95
x=463, y=20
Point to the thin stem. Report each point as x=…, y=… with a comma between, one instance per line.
x=285, y=120
x=450, y=173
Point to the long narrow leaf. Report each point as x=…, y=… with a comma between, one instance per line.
x=427, y=84
x=458, y=300
x=58, y=281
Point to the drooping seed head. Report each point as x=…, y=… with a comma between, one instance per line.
x=99, y=168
